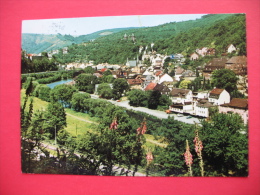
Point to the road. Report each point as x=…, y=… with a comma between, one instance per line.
x=156, y=113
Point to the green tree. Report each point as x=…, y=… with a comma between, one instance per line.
x=137, y=97
x=120, y=86
x=44, y=93
x=153, y=99
x=78, y=101
x=170, y=160
x=63, y=93
x=106, y=92
x=225, y=79
x=55, y=118
x=89, y=70
x=86, y=82
x=184, y=84
x=225, y=142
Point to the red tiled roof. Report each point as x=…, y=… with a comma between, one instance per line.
x=150, y=86
x=237, y=103
x=158, y=73
x=216, y=91
x=103, y=69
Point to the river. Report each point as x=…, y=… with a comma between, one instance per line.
x=52, y=85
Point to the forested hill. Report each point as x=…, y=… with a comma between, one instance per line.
x=214, y=30
x=37, y=43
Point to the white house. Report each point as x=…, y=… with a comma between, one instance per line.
x=194, y=56
x=202, y=51
x=165, y=78
x=181, y=95
x=219, y=96
x=201, y=108
x=185, y=107
x=231, y=48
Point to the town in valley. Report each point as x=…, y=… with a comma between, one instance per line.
x=134, y=107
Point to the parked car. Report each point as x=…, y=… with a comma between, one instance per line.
x=168, y=111
x=179, y=115
x=188, y=117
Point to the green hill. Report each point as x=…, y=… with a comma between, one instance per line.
x=213, y=30
x=37, y=43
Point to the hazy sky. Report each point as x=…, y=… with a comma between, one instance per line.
x=83, y=26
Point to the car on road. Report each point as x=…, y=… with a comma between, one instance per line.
x=179, y=115
x=188, y=117
x=168, y=111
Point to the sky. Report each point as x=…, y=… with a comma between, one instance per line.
x=88, y=25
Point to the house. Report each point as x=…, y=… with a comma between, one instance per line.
x=178, y=73
x=157, y=75
x=238, y=64
x=219, y=96
x=185, y=107
x=211, y=52
x=148, y=79
x=131, y=63
x=214, y=64
x=181, y=95
x=202, y=51
x=135, y=83
x=231, y=48
x=165, y=78
x=189, y=75
x=201, y=108
x=236, y=105
x=194, y=56
x=164, y=90
x=150, y=86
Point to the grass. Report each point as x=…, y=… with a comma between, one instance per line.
x=77, y=127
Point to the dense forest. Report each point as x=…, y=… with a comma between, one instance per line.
x=213, y=31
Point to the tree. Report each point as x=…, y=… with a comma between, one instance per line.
x=153, y=99
x=225, y=142
x=105, y=91
x=184, y=84
x=86, y=82
x=108, y=79
x=55, y=118
x=107, y=72
x=225, y=79
x=170, y=160
x=44, y=93
x=63, y=93
x=78, y=101
x=137, y=97
x=120, y=86
x=89, y=70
